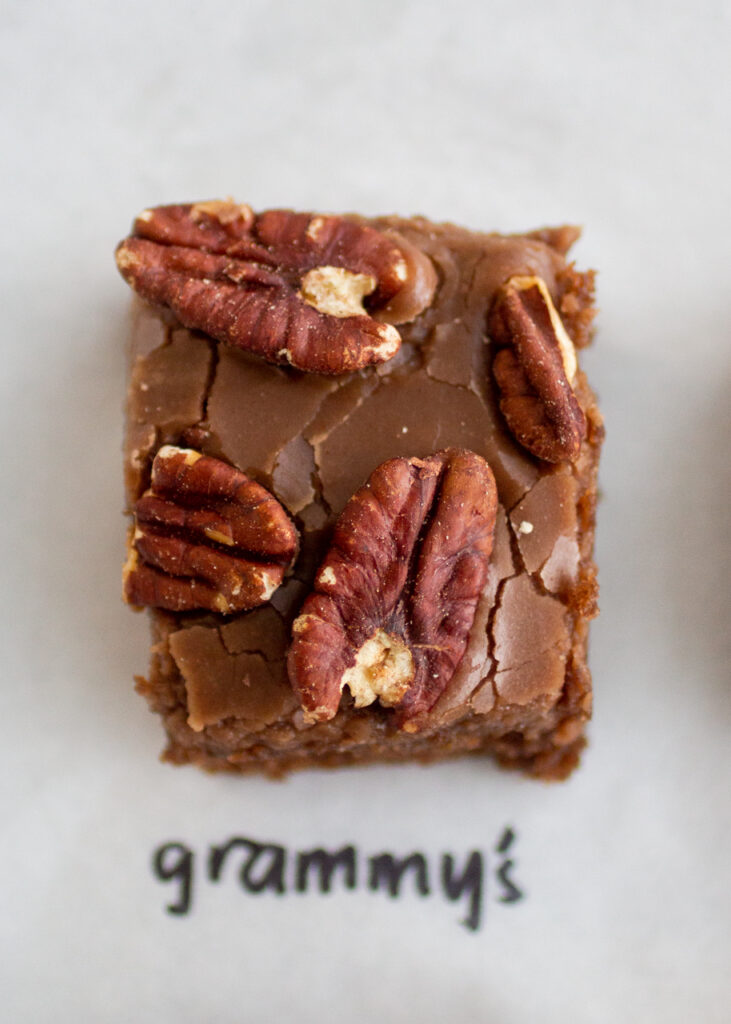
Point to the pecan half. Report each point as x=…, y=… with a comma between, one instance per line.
x=288, y=286
x=206, y=536
x=534, y=368
x=395, y=598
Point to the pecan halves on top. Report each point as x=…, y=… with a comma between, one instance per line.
x=206, y=537
x=287, y=286
x=395, y=597
x=534, y=368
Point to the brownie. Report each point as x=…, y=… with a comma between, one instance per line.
x=301, y=465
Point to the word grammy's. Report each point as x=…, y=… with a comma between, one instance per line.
x=270, y=868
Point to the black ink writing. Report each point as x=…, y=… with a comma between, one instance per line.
x=510, y=891
x=505, y=841
x=174, y=862
x=263, y=868
x=388, y=869
x=327, y=864
x=470, y=882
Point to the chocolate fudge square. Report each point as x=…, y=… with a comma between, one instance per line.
x=360, y=468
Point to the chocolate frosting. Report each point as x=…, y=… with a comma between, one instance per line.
x=314, y=440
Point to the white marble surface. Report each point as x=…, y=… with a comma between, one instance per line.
x=496, y=115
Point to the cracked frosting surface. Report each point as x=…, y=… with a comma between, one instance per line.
x=313, y=440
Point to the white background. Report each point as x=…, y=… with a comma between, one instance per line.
x=496, y=115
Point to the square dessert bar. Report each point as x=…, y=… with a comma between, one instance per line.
x=360, y=468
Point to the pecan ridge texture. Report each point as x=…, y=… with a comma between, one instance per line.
x=206, y=537
x=534, y=368
x=287, y=286
x=395, y=597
